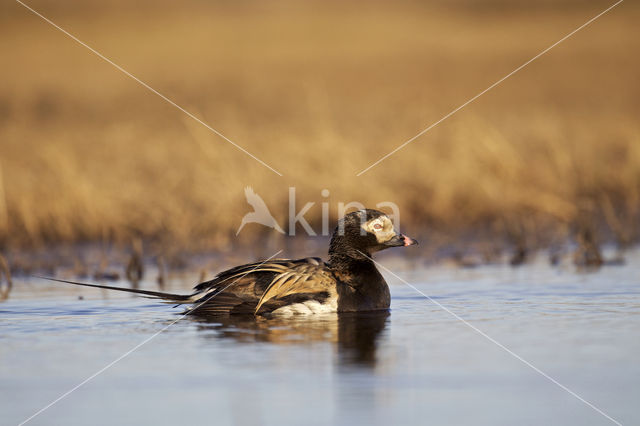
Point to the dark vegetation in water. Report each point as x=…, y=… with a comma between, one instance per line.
x=5, y=278
x=110, y=261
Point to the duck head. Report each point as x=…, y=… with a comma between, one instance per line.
x=364, y=232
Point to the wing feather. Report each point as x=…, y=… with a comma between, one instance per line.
x=262, y=286
x=306, y=279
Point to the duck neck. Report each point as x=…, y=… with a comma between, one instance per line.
x=344, y=255
x=346, y=262
x=361, y=286
x=353, y=268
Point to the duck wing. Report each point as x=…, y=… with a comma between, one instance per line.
x=263, y=287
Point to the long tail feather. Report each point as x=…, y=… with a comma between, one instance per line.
x=165, y=296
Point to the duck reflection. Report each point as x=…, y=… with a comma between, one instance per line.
x=354, y=334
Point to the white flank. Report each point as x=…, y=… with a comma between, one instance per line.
x=309, y=307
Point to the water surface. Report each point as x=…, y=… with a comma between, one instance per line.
x=416, y=365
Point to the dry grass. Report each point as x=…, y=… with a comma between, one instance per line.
x=319, y=92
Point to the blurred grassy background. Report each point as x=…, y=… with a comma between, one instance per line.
x=318, y=90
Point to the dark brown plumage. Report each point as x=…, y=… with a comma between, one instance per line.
x=348, y=282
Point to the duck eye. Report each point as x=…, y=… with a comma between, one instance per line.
x=377, y=226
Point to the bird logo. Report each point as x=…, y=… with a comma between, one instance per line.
x=260, y=213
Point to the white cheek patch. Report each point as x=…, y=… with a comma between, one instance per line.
x=383, y=232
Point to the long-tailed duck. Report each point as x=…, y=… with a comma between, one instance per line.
x=348, y=282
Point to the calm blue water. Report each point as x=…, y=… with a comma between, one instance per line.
x=417, y=365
